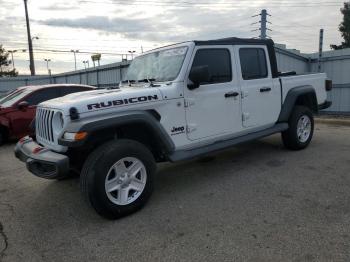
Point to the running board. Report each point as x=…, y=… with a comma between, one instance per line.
x=192, y=153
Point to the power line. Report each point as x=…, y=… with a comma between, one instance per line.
x=210, y=4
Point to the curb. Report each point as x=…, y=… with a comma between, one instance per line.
x=341, y=122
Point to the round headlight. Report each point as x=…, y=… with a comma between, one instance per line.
x=61, y=120
x=58, y=121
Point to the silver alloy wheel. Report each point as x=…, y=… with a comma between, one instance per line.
x=304, y=128
x=125, y=181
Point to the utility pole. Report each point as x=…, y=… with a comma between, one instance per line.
x=86, y=62
x=75, y=58
x=263, y=24
x=30, y=44
x=320, y=50
x=47, y=65
x=132, y=52
x=13, y=62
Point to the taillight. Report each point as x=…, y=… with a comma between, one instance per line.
x=329, y=85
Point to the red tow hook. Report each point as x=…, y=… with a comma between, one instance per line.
x=37, y=150
x=23, y=139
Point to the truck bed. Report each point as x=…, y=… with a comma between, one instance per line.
x=316, y=80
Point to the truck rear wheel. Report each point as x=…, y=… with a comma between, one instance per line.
x=301, y=128
x=117, y=178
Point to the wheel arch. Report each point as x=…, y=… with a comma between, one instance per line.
x=142, y=126
x=301, y=95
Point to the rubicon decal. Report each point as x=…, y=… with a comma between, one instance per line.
x=120, y=102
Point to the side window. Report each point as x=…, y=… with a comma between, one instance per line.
x=218, y=62
x=42, y=95
x=253, y=63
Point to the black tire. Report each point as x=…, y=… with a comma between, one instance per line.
x=97, y=167
x=71, y=174
x=290, y=137
x=3, y=136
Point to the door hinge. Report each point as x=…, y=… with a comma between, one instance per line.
x=245, y=116
x=190, y=128
x=244, y=94
x=188, y=102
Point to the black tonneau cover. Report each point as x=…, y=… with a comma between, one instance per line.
x=247, y=41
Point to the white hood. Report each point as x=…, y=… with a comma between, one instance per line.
x=90, y=101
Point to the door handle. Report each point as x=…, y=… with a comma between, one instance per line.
x=231, y=94
x=265, y=89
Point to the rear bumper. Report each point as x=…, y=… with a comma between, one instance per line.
x=40, y=161
x=324, y=105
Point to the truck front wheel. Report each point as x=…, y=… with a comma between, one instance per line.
x=301, y=128
x=117, y=178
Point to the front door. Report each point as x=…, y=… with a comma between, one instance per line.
x=213, y=109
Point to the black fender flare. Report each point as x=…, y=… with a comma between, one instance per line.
x=113, y=120
x=291, y=98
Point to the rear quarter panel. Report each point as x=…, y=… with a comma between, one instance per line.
x=316, y=80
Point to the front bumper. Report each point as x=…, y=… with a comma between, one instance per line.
x=41, y=161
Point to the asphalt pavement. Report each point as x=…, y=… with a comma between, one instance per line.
x=255, y=202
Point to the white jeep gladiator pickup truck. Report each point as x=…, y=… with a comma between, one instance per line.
x=176, y=103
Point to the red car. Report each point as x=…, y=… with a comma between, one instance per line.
x=17, y=109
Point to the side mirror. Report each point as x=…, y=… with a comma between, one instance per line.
x=22, y=105
x=198, y=75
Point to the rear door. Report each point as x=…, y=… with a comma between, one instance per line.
x=261, y=100
x=213, y=109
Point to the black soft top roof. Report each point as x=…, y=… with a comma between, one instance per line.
x=247, y=41
x=235, y=41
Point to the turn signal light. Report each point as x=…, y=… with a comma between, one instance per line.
x=80, y=135
x=75, y=136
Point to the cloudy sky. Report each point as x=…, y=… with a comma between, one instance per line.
x=113, y=27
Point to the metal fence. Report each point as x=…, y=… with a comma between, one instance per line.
x=102, y=76
x=335, y=63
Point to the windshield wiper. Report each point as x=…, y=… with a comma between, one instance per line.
x=148, y=80
x=129, y=81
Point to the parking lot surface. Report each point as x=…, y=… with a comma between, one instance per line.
x=255, y=202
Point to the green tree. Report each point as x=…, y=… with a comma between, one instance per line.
x=344, y=27
x=5, y=63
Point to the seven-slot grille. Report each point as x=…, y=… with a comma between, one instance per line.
x=43, y=124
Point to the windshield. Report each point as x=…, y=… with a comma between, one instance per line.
x=157, y=66
x=12, y=98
